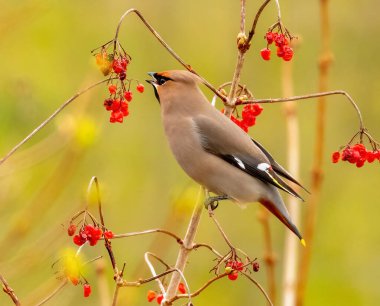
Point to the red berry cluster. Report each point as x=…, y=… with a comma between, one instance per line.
x=357, y=154
x=248, y=116
x=115, y=65
x=281, y=41
x=234, y=266
x=152, y=295
x=89, y=233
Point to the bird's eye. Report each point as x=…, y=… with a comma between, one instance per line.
x=160, y=79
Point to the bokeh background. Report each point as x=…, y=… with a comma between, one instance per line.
x=45, y=58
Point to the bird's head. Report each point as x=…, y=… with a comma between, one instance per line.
x=171, y=83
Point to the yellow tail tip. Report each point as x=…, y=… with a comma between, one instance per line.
x=303, y=242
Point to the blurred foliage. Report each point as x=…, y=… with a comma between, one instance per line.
x=45, y=50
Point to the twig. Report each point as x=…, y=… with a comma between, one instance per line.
x=8, y=290
x=269, y=256
x=133, y=234
x=153, y=271
x=166, y=46
x=50, y=118
x=222, y=231
x=54, y=293
x=258, y=286
x=195, y=293
x=316, y=176
x=310, y=96
x=255, y=21
x=198, y=245
x=243, y=44
x=185, y=249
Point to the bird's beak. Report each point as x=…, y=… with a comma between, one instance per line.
x=153, y=81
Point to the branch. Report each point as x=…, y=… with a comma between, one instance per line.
x=256, y=20
x=132, y=234
x=50, y=118
x=309, y=96
x=185, y=249
x=8, y=290
x=166, y=46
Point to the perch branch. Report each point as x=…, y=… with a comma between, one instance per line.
x=8, y=290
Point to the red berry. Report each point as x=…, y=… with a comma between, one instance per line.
x=79, y=240
x=124, y=62
x=335, y=157
x=124, y=108
x=151, y=295
x=269, y=37
x=288, y=53
x=128, y=96
x=108, y=104
x=256, y=266
x=280, y=40
x=115, y=105
x=116, y=116
x=233, y=275
x=140, y=88
x=182, y=288
x=108, y=234
x=122, y=76
x=71, y=229
x=360, y=163
x=112, y=89
x=86, y=290
x=371, y=156
x=265, y=54
x=160, y=297
x=280, y=52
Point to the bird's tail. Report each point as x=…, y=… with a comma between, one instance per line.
x=279, y=210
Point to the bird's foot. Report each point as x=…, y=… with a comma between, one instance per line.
x=211, y=203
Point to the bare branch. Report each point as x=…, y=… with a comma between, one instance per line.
x=255, y=21
x=132, y=234
x=8, y=290
x=309, y=96
x=166, y=46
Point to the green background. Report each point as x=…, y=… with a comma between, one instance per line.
x=45, y=58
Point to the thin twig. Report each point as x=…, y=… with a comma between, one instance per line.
x=54, y=293
x=198, y=245
x=269, y=256
x=310, y=96
x=8, y=290
x=255, y=21
x=50, y=118
x=166, y=46
x=258, y=286
x=222, y=231
x=157, y=230
x=195, y=293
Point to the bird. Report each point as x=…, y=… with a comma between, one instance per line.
x=215, y=152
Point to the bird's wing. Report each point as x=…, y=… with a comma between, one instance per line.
x=277, y=167
x=239, y=151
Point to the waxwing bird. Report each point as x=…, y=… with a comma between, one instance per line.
x=214, y=151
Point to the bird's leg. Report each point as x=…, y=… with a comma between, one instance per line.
x=211, y=203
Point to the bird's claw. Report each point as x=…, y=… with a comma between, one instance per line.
x=211, y=203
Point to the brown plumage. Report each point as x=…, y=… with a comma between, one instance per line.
x=214, y=151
